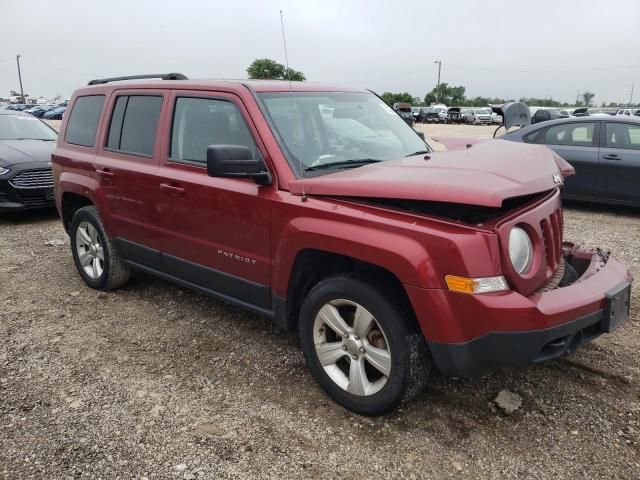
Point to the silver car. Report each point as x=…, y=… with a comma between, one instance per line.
x=477, y=116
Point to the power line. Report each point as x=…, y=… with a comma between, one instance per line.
x=497, y=70
x=569, y=70
x=42, y=65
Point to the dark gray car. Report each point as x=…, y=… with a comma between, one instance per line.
x=26, y=144
x=604, y=150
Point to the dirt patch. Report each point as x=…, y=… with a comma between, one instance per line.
x=158, y=381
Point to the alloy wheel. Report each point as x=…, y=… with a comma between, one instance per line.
x=352, y=347
x=89, y=250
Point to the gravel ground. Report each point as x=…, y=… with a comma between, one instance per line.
x=157, y=381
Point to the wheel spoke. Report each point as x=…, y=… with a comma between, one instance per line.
x=329, y=353
x=93, y=233
x=330, y=315
x=362, y=322
x=85, y=258
x=100, y=253
x=358, y=381
x=94, y=268
x=99, y=266
x=378, y=358
x=84, y=237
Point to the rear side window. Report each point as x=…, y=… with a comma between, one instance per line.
x=133, y=124
x=573, y=134
x=83, y=122
x=623, y=135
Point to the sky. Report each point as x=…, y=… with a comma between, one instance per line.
x=495, y=48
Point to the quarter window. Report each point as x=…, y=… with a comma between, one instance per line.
x=133, y=124
x=573, y=134
x=83, y=123
x=200, y=122
x=532, y=137
x=622, y=135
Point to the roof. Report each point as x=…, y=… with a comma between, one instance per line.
x=259, y=86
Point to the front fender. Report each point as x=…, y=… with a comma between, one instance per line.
x=405, y=257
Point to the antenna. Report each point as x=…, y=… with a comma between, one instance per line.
x=286, y=59
x=284, y=42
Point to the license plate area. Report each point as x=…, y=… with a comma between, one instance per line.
x=617, y=306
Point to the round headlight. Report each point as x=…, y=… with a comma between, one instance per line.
x=520, y=250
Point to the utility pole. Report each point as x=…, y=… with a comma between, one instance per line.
x=439, y=62
x=20, y=79
x=631, y=99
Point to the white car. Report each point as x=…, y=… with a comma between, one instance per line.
x=477, y=116
x=629, y=112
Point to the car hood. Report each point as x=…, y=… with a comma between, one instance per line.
x=483, y=174
x=23, y=151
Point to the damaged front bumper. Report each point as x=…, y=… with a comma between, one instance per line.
x=509, y=329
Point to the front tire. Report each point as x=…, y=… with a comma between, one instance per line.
x=362, y=346
x=94, y=255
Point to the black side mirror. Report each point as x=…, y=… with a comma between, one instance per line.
x=235, y=161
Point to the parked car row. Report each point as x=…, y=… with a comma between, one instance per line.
x=541, y=114
x=49, y=111
x=460, y=115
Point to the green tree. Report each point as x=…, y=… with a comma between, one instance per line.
x=587, y=97
x=446, y=94
x=541, y=102
x=391, y=98
x=294, y=75
x=267, y=69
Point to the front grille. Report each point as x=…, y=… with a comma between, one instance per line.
x=41, y=178
x=36, y=202
x=552, y=238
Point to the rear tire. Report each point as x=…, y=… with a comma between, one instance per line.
x=94, y=255
x=362, y=345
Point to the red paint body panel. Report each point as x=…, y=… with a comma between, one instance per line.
x=485, y=174
x=271, y=225
x=450, y=317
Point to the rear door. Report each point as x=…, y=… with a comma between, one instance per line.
x=215, y=231
x=576, y=142
x=619, y=173
x=127, y=164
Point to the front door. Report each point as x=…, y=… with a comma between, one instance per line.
x=619, y=173
x=215, y=231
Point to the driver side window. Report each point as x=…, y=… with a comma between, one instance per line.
x=201, y=122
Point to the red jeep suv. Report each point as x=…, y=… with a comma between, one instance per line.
x=320, y=208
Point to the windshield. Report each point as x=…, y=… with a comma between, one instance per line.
x=321, y=132
x=483, y=111
x=22, y=127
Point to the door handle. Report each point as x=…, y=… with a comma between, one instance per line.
x=105, y=173
x=611, y=156
x=173, y=190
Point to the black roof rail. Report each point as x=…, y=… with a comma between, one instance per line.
x=163, y=76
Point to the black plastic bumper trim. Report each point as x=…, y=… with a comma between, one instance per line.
x=508, y=349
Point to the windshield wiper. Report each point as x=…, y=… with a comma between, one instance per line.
x=342, y=164
x=419, y=152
